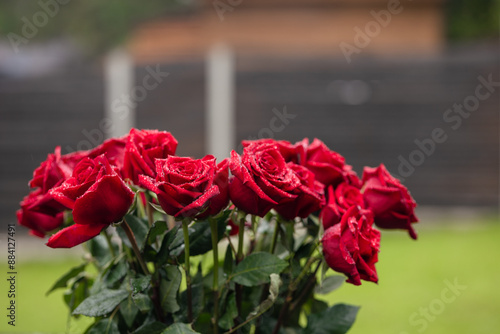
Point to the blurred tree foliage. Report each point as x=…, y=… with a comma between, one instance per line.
x=473, y=19
x=99, y=24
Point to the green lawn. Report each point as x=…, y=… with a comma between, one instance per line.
x=412, y=296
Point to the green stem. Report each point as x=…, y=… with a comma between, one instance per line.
x=187, y=270
x=137, y=252
x=239, y=256
x=291, y=289
x=110, y=244
x=215, y=250
x=275, y=235
x=241, y=234
x=149, y=211
x=140, y=206
x=307, y=288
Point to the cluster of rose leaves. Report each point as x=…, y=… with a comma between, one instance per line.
x=296, y=180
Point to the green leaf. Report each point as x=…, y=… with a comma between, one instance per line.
x=102, y=303
x=226, y=321
x=329, y=284
x=313, y=226
x=129, y=311
x=98, y=248
x=142, y=301
x=169, y=287
x=157, y=208
x=337, y=319
x=140, y=229
x=200, y=241
x=77, y=294
x=179, y=329
x=274, y=290
x=115, y=273
x=208, y=280
x=104, y=326
x=256, y=268
x=166, y=245
x=204, y=321
x=140, y=283
x=158, y=228
x=228, y=261
x=63, y=281
x=151, y=328
x=200, y=238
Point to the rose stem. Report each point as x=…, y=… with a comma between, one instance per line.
x=239, y=256
x=137, y=252
x=187, y=269
x=306, y=290
x=275, y=235
x=215, y=250
x=110, y=245
x=291, y=288
x=140, y=206
x=149, y=211
x=241, y=234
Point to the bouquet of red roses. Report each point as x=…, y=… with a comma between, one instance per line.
x=154, y=224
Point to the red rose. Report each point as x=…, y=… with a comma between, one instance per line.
x=339, y=201
x=141, y=150
x=184, y=186
x=351, y=247
x=261, y=179
x=98, y=197
x=40, y=213
x=220, y=201
x=389, y=200
x=351, y=178
x=310, y=195
x=113, y=148
x=290, y=152
x=52, y=171
x=328, y=166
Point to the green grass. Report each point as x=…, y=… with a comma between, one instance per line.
x=412, y=278
x=413, y=275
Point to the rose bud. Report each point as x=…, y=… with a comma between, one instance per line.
x=339, y=201
x=141, y=150
x=98, y=197
x=391, y=203
x=261, y=179
x=184, y=186
x=352, y=246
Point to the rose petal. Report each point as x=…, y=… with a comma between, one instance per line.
x=75, y=235
x=106, y=202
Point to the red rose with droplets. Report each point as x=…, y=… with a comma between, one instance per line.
x=143, y=148
x=339, y=201
x=97, y=196
x=352, y=246
x=261, y=179
x=184, y=186
x=390, y=201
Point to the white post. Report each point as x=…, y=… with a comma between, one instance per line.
x=118, y=83
x=220, y=87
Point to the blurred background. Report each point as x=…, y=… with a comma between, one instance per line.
x=411, y=84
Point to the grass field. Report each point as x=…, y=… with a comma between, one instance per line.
x=413, y=295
